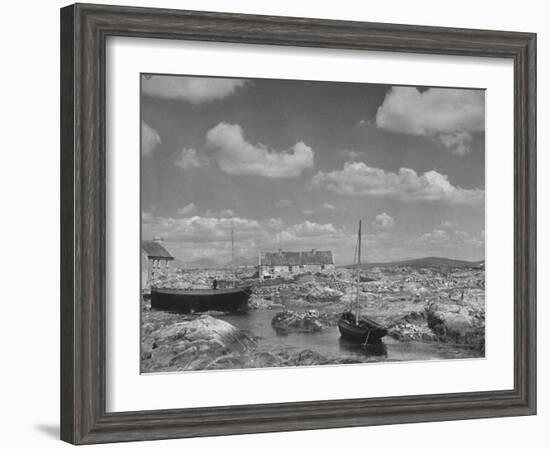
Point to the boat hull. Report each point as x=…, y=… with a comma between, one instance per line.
x=366, y=331
x=227, y=300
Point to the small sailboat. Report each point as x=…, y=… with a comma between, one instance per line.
x=234, y=299
x=352, y=326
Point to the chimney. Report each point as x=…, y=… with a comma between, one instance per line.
x=313, y=251
x=280, y=252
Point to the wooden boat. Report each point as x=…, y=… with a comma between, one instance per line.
x=354, y=327
x=365, y=330
x=224, y=299
x=233, y=299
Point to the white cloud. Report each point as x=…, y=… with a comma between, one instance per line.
x=358, y=179
x=384, y=221
x=283, y=203
x=448, y=224
x=224, y=213
x=203, y=229
x=194, y=90
x=306, y=229
x=350, y=154
x=149, y=139
x=308, y=211
x=308, y=235
x=201, y=236
x=364, y=122
x=328, y=206
x=189, y=159
x=450, y=114
x=458, y=143
x=239, y=157
x=449, y=238
x=437, y=236
x=187, y=210
x=275, y=224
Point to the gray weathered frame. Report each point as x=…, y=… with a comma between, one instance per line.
x=84, y=29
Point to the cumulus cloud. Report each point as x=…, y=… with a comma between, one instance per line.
x=308, y=211
x=306, y=229
x=150, y=139
x=358, y=179
x=449, y=114
x=189, y=159
x=458, y=143
x=350, y=154
x=384, y=221
x=309, y=234
x=224, y=213
x=449, y=238
x=146, y=217
x=275, y=224
x=328, y=206
x=239, y=157
x=364, y=122
x=202, y=229
x=252, y=234
x=194, y=90
x=187, y=210
x=203, y=236
x=283, y=203
x=448, y=224
x=437, y=236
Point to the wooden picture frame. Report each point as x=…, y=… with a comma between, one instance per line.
x=84, y=29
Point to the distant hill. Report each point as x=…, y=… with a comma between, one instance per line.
x=426, y=262
x=204, y=262
x=243, y=262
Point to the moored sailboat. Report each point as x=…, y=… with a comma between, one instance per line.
x=234, y=299
x=223, y=299
x=352, y=326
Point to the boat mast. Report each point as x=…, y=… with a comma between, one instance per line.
x=233, y=256
x=358, y=275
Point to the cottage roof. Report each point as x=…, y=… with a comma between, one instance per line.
x=312, y=257
x=155, y=250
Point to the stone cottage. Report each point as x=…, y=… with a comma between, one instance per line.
x=154, y=258
x=284, y=263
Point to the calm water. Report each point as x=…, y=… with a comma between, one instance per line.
x=328, y=342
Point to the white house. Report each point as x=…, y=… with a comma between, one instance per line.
x=283, y=263
x=154, y=257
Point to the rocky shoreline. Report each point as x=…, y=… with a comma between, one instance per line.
x=312, y=304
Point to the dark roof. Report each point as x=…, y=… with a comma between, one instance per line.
x=155, y=250
x=312, y=257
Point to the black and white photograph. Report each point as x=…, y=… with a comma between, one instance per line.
x=295, y=223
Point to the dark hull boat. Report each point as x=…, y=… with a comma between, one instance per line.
x=353, y=327
x=366, y=331
x=226, y=299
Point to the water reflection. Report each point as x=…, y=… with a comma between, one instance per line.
x=257, y=323
x=378, y=349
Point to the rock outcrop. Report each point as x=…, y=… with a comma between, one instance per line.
x=411, y=327
x=323, y=294
x=459, y=324
x=290, y=321
x=199, y=342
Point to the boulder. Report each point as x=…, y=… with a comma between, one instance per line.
x=266, y=359
x=289, y=321
x=456, y=324
x=322, y=294
x=307, y=357
x=195, y=343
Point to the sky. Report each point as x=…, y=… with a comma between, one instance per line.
x=294, y=165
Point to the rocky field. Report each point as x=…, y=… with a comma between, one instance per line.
x=431, y=305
